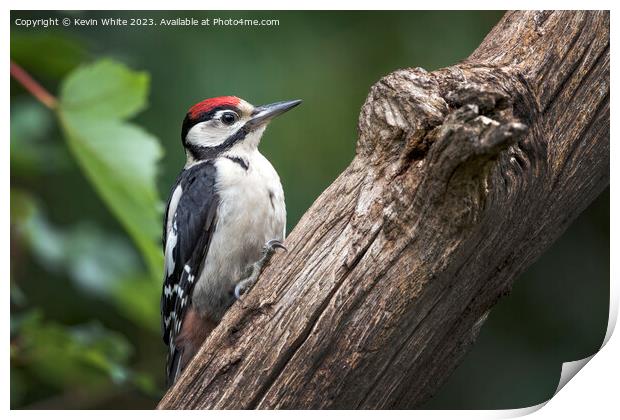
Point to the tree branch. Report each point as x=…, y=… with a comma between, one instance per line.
x=462, y=178
x=32, y=86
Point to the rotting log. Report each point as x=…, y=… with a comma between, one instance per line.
x=462, y=178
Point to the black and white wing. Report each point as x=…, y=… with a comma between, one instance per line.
x=189, y=224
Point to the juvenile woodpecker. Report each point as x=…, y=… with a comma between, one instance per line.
x=224, y=219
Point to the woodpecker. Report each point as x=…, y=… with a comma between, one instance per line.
x=224, y=219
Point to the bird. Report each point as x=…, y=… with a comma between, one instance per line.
x=225, y=217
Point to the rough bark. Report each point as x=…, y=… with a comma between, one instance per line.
x=462, y=178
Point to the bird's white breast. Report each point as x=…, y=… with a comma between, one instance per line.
x=251, y=211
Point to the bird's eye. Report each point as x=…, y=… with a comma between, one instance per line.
x=229, y=118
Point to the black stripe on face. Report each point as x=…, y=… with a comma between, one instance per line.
x=189, y=122
x=202, y=153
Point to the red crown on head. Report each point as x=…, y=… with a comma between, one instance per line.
x=208, y=104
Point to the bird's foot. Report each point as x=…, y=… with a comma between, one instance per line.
x=268, y=250
x=242, y=287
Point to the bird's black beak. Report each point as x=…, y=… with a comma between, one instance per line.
x=263, y=114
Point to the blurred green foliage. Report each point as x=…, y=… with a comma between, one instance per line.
x=86, y=183
x=119, y=158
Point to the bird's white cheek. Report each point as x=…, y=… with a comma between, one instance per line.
x=206, y=134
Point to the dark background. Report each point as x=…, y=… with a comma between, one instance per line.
x=75, y=346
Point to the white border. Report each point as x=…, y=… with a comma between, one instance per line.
x=594, y=393
x=304, y=5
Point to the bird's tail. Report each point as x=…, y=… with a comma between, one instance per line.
x=173, y=366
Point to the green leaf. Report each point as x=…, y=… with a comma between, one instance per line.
x=104, y=90
x=120, y=159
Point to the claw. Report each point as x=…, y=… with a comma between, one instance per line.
x=239, y=291
x=274, y=243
